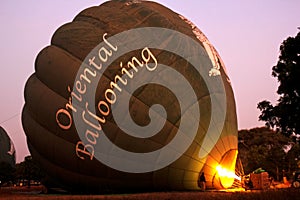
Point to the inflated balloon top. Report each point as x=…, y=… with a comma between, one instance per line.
x=7, y=149
x=131, y=96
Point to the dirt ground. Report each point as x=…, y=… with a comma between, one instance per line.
x=35, y=193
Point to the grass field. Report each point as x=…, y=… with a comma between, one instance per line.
x=272, y=194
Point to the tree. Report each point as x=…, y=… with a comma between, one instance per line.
x=29, y=170
x=285, y=116
x=293, y=157
x=6, y=172
x=265, y=148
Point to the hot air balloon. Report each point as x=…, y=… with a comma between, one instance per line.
x=7, y=152
x=131, y=96
x=7, y=157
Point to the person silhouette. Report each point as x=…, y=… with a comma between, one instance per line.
x=202, y=181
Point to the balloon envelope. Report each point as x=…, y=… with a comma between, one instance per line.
x=130, y=96
x=7, y=149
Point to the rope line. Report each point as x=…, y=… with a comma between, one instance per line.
x=10, y=118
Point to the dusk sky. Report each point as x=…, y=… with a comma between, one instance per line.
x=247, y=34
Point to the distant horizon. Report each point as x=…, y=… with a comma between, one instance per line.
x=247, y=35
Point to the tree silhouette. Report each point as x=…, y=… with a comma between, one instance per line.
x=6, y=172
x=265, y=148
x=293, y=158
x=285, y=116
x=29, y=170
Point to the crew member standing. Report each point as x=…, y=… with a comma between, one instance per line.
x=202, y=182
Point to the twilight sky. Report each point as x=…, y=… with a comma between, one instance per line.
x=247, y=34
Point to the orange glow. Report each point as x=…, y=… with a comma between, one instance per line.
x=226, y=176
x=226, y=173
x=225, y=170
